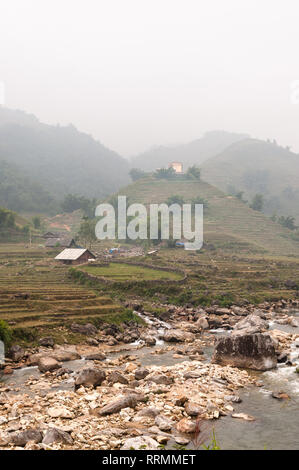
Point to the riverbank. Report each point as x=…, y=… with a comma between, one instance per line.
x=159, y=390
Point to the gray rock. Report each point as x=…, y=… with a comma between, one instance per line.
x=47, y=364
x=222, y=311
x=56, y=435
x=63, y=371
x=92, y=342
x=128, y=401
x=116, y=377
x=21, y=438
x=160, y=379
x=192, y=374
x=249, y=351
x=233, y=398
x=178, y=336
x=99, y=356
x=89, y=329
x=192, y=409
x=202, y=323
x=16, y=353
x=141, y=373
x=140, y=443
x=282, y=357
x=163, y=423
x=90, y=376
x=47, y=341
x=250, y=325
x=149, y=340
x=64, y=355
x=148, y=412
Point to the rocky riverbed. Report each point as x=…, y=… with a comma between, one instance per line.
x=147, y=386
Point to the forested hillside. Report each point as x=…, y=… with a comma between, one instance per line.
x=55, y=160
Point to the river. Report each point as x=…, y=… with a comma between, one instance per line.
x=276, y=422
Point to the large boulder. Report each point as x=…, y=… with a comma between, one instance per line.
x=65, y=355
x=250, y=351
x=250, y=325
x=202, y=323
x=47, y=364
x=98, y=356
x=88, y=329
x=90, y=376
x=177, y=336
x=16, y=353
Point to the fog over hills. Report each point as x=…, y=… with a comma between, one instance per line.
x=255, y=166
x=40, y=164
x=60, y=159
x=193, y=153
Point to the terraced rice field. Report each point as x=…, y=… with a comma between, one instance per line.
x=127, y=272
x=36, y=292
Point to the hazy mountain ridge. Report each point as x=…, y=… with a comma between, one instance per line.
x=256, y=166
x=193, y=153
x=61, y=159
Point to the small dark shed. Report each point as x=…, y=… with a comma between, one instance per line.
x=66, y=242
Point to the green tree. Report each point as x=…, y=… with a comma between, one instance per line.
x=257, y=203
x=288, y=222
x=165, y=173
x=137, y=174
x=87, y=231
x=200, y=200
x=7, y=218
x=73, y=202
x=175, y=199
x=36, y=221
x=193, y=172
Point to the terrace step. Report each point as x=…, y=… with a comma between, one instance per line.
x=28, y=315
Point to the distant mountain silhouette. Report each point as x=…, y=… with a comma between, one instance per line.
x=256, y=166
x=193, y=153
x=60, y=159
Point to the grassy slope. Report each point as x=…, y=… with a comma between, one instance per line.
x=227, y=221
x=126, y=272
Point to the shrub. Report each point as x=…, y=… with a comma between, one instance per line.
x=193, y=173
x=257, y=203
x=5, y=333
x=137, y=174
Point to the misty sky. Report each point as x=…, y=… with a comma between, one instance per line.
x=135, y=73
